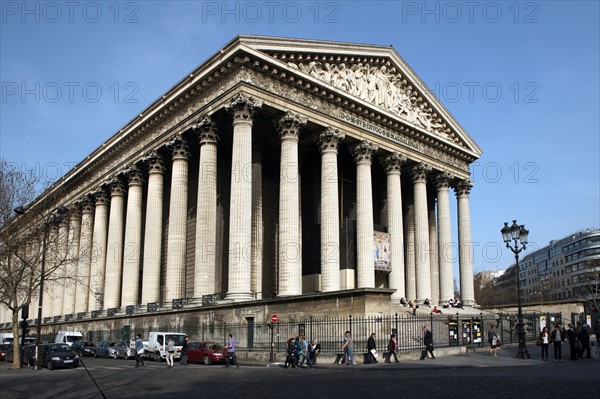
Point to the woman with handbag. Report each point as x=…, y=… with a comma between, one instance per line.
x=543, y=341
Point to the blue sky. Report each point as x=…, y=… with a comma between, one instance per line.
x=522, y=78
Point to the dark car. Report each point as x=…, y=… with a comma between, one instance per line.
x=106, y=349
x=28, y=351
x=206, y=352
x=83, y=348
x=56, y=355
x=3, y=349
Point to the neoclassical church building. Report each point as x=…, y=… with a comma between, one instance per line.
x=280, y=170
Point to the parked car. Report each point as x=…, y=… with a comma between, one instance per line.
x=124, y=350
x=56, y=355
x=3, y=349
x=206, y=352
x=28, y=351
x=83, y=348
x=106, y=349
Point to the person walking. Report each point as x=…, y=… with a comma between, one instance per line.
x=170, y=350
x=544, y=341
x=371, y=349
x=494, y=340
x=558, y=337
x=231, y=357
x=304, y=355
x=184, y=352
x=347, y=348
x=290, y=352
x=139, y=350
x=428, y=342
x=392, y=349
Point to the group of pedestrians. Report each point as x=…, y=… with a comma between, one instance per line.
x=577, y=338
x=299, y=351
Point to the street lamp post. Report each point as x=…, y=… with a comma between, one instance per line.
x=519, y=236
x=53, y=217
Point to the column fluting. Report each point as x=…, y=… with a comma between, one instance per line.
x=328, y=143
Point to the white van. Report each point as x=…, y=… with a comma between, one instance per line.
x=68, y=337
x=155, y=348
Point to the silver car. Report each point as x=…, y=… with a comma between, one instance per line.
x=124, y=350
x=106, y=349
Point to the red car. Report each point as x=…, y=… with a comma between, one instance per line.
x=206, y=352
x=3, y=349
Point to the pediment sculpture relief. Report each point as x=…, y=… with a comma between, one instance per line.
x=382, y=87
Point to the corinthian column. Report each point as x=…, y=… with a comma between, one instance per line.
x=206, y=213
x=114, y=255
x=363, y=153
x=71, y=266
x=256, y=258
x=133, y=239
x=84, y=263
x=153, y=229
x=411, y=283
x=442, y=183
x=96, y=297
x=52, y=259
x=240, y=212
x=330, y=214
x=393, y=166
x=290, y=266
x=422, y=265
x=175, y=277
x=433, y=254
x=465, y=244
x=58, y=285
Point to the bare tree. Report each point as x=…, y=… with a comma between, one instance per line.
x=24, y=242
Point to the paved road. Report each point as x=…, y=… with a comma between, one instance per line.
x=466, y=375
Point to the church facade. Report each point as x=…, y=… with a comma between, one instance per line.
x=276, y=170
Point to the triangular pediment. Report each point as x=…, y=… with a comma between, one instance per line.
x=375, y=75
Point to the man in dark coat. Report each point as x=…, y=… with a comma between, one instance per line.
x=371, y=350
x=428, y=342
x=584, y=338
x=572, y=335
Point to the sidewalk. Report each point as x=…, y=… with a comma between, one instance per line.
x=453, y=358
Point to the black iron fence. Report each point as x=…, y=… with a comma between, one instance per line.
x=448, y=330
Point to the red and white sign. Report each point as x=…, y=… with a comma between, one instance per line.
x=274, y=318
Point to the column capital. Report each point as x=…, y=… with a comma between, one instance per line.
x=442, y=180
x=393, y=163
x=329, y=140
x=179, y=147
x=86, y=204
x=134, y=176
x=75, y=209
x=116, y=187
x=418, y=173
x=243, y=107
x=462, y=187
x=289, y=126
x=155, y=163
x=100, y=197
x=206, y=130
x=363, y=153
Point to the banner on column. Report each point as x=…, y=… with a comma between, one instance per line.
x=382, y=251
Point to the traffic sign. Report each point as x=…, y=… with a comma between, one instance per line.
x=274, y=318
